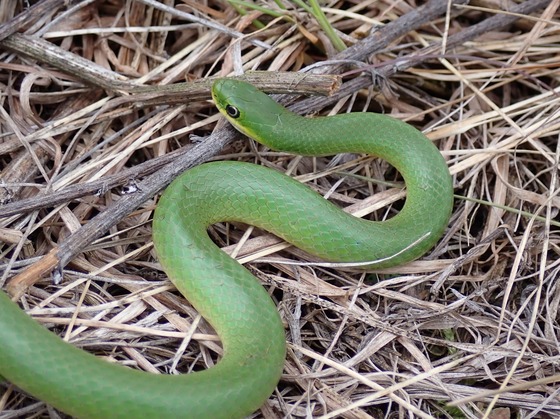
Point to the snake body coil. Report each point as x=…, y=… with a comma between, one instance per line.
x=223, y=291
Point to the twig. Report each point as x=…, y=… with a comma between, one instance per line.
x=31, y=15
x=72, y=64
x=493, y=23
x=205, y=22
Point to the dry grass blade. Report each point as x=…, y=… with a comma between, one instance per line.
x=104, y=102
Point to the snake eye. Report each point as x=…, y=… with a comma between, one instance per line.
x=232, y=111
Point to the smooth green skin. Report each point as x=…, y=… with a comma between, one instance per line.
x=223, y=291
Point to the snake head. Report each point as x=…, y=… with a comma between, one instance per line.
x=249, y=110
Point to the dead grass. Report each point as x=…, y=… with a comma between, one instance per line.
x=474, y=323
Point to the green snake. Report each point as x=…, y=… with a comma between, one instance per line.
x=226, y=294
